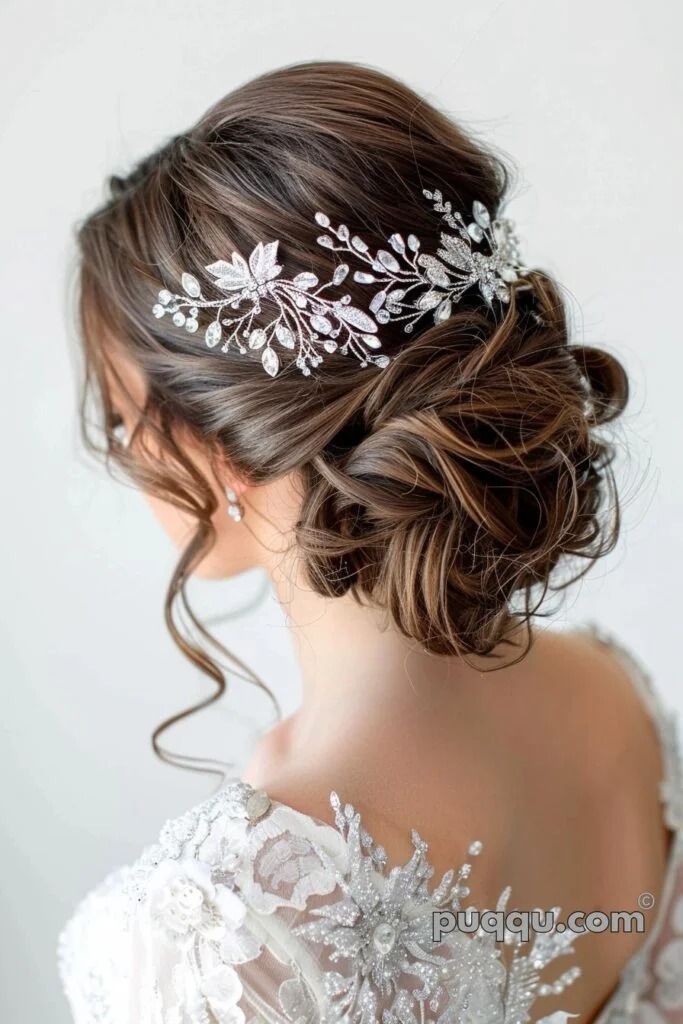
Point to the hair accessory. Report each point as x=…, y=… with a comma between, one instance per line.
x=305, y=320
x=413, y=283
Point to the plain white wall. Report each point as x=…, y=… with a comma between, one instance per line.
x=586, y=96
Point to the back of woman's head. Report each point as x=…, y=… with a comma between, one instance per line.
x=446, y=488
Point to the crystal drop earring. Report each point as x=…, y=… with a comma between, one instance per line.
x=235, y=507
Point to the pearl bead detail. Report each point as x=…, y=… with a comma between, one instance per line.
x=257, y=804
x=384, y=938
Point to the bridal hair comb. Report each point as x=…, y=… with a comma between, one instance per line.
x=409, y=285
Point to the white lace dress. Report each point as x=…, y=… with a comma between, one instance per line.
x=248, y=911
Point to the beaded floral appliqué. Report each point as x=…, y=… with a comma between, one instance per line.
x=380, y=932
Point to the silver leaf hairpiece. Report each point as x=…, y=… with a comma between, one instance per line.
x=412, y=284
x=305, y=320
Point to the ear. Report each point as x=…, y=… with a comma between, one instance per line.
x=224, y=473
x=237, y=486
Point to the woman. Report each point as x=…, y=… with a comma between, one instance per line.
x=318, y=351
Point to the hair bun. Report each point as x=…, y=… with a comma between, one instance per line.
x=479, y=469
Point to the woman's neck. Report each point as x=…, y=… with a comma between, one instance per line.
x=357, y=668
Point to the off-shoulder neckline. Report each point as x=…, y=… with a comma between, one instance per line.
x=671, y=798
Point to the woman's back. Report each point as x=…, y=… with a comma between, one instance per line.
x=566, y=799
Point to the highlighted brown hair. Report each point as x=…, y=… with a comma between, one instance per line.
x=447, y=488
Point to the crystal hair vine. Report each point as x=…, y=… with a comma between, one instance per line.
x=411, y=284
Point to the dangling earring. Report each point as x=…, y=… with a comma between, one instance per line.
x=235, y=507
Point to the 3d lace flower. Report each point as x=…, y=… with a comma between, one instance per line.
x=309, y=322
x=197, y=922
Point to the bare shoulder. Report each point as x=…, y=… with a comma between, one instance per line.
x=611, y=740
x=600, y=693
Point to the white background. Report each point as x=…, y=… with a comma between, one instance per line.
x=584, y=95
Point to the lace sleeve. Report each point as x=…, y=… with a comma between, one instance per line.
x=188, y=934
x=93, y=983
x=661, y=1001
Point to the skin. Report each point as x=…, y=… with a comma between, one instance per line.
x=553, y=762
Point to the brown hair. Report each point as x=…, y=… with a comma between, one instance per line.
x=446, y=488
